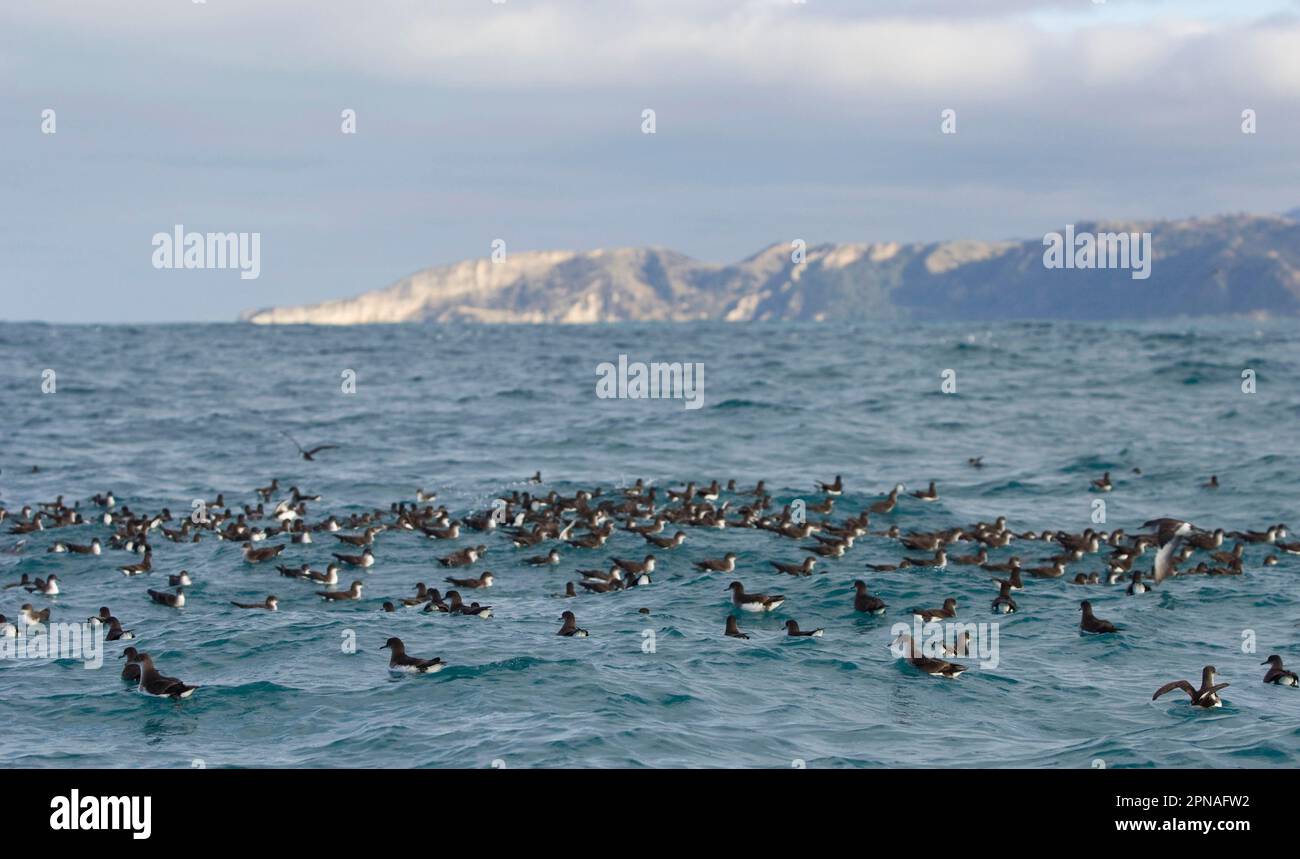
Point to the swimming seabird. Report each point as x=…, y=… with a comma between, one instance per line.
x=710, y=565
x=93, y=548
x=835, y=487
x=904, y=646
x=31, y=617
x=1092, y=623
x=254, y=555
x=364, y=560
x=1136, y=587
x=181, y=579
x=456, y=606
x=666, y=542
x=352, y=593
x=463, y=557
x=154, y=683
x=864, y=601
x=570, y=627
x=131, y=671
x=930, y=615
x=803, y=569
x=144, y=566
x=549, y=559
x=398, y=661
x=931, y=494
x=753, y=602
x=49, y=587
x=174, y=600
x=891, y=501
x=1206, y=696
x=792, y=630
x=1277, y=675
x=1103, y=484
x=483, y=581
x=272, y=604
x=1003, y=603
x=733, y=629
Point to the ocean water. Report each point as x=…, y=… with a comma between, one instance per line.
x=166, y=414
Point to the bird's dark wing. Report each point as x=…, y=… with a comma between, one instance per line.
x=316, y=450
x=1177, y=684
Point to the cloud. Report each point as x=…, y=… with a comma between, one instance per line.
x=889, y=51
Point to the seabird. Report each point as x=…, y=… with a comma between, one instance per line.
x=308, y=455
x=1277, y=675
x=753, y=602
x=833, y=488
x=456, y=606
x=666, y=542
x=154, y=683
x=131, y=671
x=931, y=494
x=1092, y=623
x=930, y=615
x=463, y=557
x=254, y=555
x=1003, y=603
x=352, y=593
x=792, y=630
x=570, y=627
x=31, y=617
x=176, y=600
x=733, y=629
x=864, y=601
x=144, y=566
x=904, y=646
x=550, y=558
x=94, y=548
x=1206, y=696
x=710, y=565
x=1103, y=483
x=803, y=569
x=181, y=579
x=1136, y=587
x=365, y=560
x=1169, y=535
x=891, y=501
x=272, y=604
x=399, y=662
x=49, y=587
x=483, y=581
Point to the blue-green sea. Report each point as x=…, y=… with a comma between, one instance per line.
x=162, y=415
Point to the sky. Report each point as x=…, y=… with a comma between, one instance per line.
x=523, y=121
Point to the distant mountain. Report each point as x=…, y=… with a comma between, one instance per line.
x=1232, y=264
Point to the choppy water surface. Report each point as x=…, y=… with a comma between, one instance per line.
x=163, y=415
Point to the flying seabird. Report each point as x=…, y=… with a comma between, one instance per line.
x=308, y=455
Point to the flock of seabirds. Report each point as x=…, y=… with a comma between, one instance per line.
x=552, y=525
